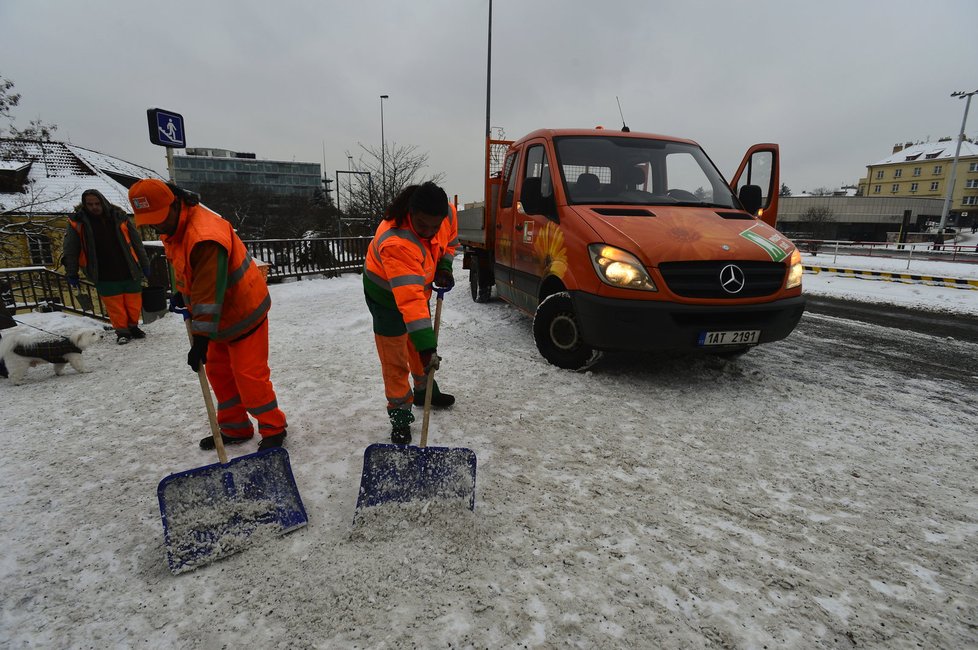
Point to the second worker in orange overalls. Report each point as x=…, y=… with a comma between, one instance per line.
x=412, y=248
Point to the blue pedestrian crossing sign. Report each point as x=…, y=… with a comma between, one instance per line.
x=166, y=128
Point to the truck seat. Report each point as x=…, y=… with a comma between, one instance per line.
x=587, y=185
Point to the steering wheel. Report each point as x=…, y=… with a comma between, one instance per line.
x=682, y=195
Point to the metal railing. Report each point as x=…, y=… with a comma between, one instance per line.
x=920, y=251
x=38, y=288
x=297, y=257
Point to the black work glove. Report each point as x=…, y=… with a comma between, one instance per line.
x=429, y=360
x=198, y=352
x=73, y=281
x=444, y=279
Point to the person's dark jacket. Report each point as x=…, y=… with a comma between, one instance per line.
x=79, y=248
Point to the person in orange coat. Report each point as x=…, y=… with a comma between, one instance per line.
x=412, y=248
x=220, y=288
x=102, y=241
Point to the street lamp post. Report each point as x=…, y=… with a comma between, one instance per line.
x=954, y=165
x=383, y=158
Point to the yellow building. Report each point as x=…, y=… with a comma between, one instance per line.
x=41, y=183
x=924, y=171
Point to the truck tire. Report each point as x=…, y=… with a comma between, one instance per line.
x=558, y=333
x=481, y=292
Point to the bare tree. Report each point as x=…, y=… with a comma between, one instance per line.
x=25, y=212
x=819, y=220
x=8, y=100
x=362, y=193
x=785, y=190
x=29, y=215
x=822, y=191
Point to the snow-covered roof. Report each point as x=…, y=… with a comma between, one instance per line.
x=60, y=172
x=930, y=151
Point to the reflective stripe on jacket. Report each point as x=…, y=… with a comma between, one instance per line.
x=231, y=301
x=400, y=267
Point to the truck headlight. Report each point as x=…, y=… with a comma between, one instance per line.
x=795, y=269
x=619, y=268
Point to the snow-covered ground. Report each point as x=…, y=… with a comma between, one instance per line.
x=792, y=498
x=919, y=295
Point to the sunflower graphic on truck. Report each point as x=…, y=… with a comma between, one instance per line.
x=632, y=241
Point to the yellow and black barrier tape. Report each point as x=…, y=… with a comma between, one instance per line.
x=906, y=278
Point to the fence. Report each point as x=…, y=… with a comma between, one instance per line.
x=920, y=251
x=38, y=288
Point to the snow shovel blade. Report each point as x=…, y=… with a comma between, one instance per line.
x=84, y=301
x=217, y=510
x=402, y=473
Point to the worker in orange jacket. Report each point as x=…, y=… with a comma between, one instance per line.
x=102, y=241
x=412, y=248
x=220, y=288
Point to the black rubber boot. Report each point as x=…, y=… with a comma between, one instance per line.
x=136, y=332
x=271, y=442
x=439, y=400
x=207, y=444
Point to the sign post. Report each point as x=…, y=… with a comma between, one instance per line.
x=166, y=130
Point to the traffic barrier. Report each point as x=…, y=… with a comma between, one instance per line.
x=906, y=278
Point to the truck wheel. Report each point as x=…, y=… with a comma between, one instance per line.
x=558, y=333
x=480, y=292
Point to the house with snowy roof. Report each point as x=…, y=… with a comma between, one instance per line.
x=923, y=170
x=40, y=185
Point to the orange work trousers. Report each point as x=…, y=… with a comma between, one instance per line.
x=238, y=372
x=399, y=361
x=124, y=310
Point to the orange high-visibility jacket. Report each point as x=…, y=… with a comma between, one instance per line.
x=399, y=270
x=78, y=251
x=229, y=302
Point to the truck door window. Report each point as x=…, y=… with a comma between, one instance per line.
x=538, y=187
x=759, y=172
x=509, y=180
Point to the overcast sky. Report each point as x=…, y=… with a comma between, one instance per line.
x=836, y=84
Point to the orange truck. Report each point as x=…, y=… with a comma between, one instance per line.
x=618, y=240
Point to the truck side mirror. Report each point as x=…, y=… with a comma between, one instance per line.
x=548, y=206
x=750, y=198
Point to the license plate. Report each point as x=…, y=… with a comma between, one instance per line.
x=736, y=337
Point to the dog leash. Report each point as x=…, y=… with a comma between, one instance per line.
x=60, y=336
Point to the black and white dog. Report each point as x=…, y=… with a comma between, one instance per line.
x=20, y=351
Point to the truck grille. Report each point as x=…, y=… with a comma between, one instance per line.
x=703, y=279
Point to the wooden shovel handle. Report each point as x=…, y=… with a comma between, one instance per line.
x=209, y=403
x=431, y=374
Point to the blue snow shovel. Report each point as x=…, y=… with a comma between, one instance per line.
x=217, y=510
x=402, y=473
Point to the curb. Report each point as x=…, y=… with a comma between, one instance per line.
x=906, y=278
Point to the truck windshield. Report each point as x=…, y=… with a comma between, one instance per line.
x=633, y=171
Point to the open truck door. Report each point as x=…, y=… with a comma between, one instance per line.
x=757, y=182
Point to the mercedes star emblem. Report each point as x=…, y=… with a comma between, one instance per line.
x=732, y=278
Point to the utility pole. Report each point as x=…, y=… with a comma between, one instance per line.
x=954, y=165
x=383, y=153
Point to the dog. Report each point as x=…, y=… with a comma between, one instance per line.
x=20, y=351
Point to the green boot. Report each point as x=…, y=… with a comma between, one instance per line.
x=401, y=420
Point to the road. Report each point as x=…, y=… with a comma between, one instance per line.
x=961, y=327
